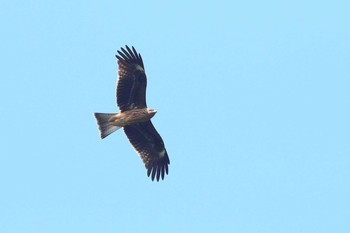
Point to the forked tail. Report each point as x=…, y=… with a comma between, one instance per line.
x=105, y=127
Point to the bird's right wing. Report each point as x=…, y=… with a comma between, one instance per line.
x=132, y=81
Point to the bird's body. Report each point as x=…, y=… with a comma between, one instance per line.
x=134, y=116
x=131, y=117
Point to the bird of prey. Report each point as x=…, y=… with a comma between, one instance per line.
x=134, y=116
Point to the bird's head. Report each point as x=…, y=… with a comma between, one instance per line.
x=151, y=112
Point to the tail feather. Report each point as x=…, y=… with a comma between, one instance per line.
x=104, y=125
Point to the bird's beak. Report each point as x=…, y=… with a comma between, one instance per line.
x=152, y=112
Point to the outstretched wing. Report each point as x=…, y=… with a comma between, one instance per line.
x=150, y=146
x=132, y=81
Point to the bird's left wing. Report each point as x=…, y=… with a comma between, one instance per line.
x=150, y=146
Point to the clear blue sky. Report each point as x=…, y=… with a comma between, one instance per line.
x=253, y=104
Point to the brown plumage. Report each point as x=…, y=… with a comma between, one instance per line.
x=134, y=116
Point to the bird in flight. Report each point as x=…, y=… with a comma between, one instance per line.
x=134, y=116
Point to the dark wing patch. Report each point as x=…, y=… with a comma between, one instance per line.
x=150, y=146
x=132, y=81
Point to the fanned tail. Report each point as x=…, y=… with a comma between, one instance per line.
x=104, y=125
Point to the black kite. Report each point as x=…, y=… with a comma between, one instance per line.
x=134, y=116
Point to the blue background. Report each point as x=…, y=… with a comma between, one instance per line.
x=253, y=105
